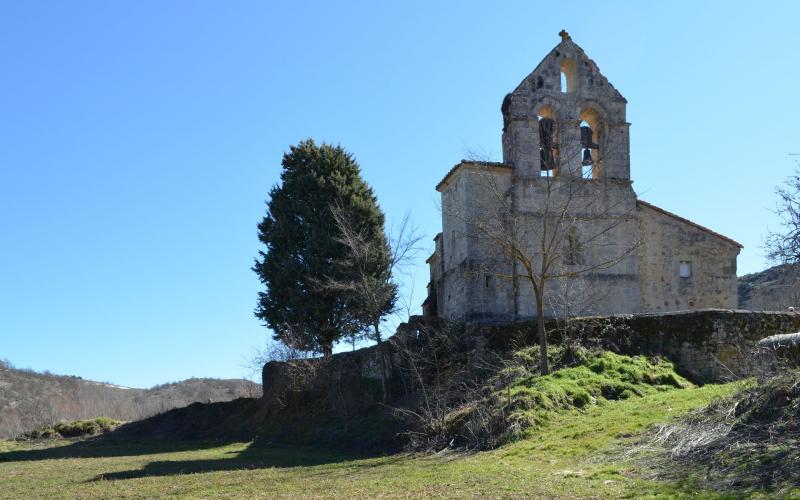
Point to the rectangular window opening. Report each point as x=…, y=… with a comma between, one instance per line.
x=685, y=269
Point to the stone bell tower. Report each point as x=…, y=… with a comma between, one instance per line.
x=566, y=119
x=564, y=193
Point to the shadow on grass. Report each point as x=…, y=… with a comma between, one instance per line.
x=193, y=427
x=200, y=427
x=256, y=456
x=101, y=447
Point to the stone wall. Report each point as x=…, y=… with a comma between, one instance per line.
x=280, y=378
x=712, y=345
x=781, y=350
x=357, y=371
x=453, y=249
x=472, y=280
x=668, y=240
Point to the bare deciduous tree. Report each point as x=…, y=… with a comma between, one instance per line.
x=274, y=350
x=783, y=246
x=572, y=227
x=450, y=398
x=376, y=290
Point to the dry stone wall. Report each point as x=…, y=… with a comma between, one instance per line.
x=712, y=345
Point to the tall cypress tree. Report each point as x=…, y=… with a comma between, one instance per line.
x=304, y=248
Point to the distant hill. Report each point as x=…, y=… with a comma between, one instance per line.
x=774, y=289
x=30, y=400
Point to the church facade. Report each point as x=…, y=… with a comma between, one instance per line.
x=561, y=206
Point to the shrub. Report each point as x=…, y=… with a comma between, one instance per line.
x=73, y=429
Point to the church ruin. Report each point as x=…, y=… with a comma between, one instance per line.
x=565, y=182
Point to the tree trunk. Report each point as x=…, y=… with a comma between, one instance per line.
x=544, y=366
x=382, y=358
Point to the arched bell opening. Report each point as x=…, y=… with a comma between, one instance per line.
x=568, y=80
x=590, y=128
x=548, y=141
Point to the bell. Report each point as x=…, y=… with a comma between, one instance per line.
x=546, y=159
x=546, y=128
x=587, y=157
x=586, y=138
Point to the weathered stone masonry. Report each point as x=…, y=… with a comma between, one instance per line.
x=712, y=345
x=677, y=264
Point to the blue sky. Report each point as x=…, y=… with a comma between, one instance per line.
x=138, y=141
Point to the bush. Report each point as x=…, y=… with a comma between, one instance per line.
x=73, y=429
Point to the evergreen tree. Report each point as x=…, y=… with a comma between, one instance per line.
x=304, y=248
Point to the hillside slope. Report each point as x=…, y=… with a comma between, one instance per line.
x=511, y=401
x=747, y=442
x=30, y=400
x=576, y=454
x=773, y=289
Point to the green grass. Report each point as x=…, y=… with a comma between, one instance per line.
x=523, y=400
x=573, y=454
x=602, y=378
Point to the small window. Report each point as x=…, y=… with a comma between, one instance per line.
x=574, y=251
x=487, y=281
x=685, y=270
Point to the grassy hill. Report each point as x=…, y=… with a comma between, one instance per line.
x=30, y=400
x=601, y=425
x=574, y=454
x=665, y=438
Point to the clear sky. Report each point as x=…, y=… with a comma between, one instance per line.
x=138, y=141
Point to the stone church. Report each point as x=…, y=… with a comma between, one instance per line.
x=563, y=198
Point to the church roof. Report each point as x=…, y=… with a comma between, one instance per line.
x=452, y=171
x=687, y=221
